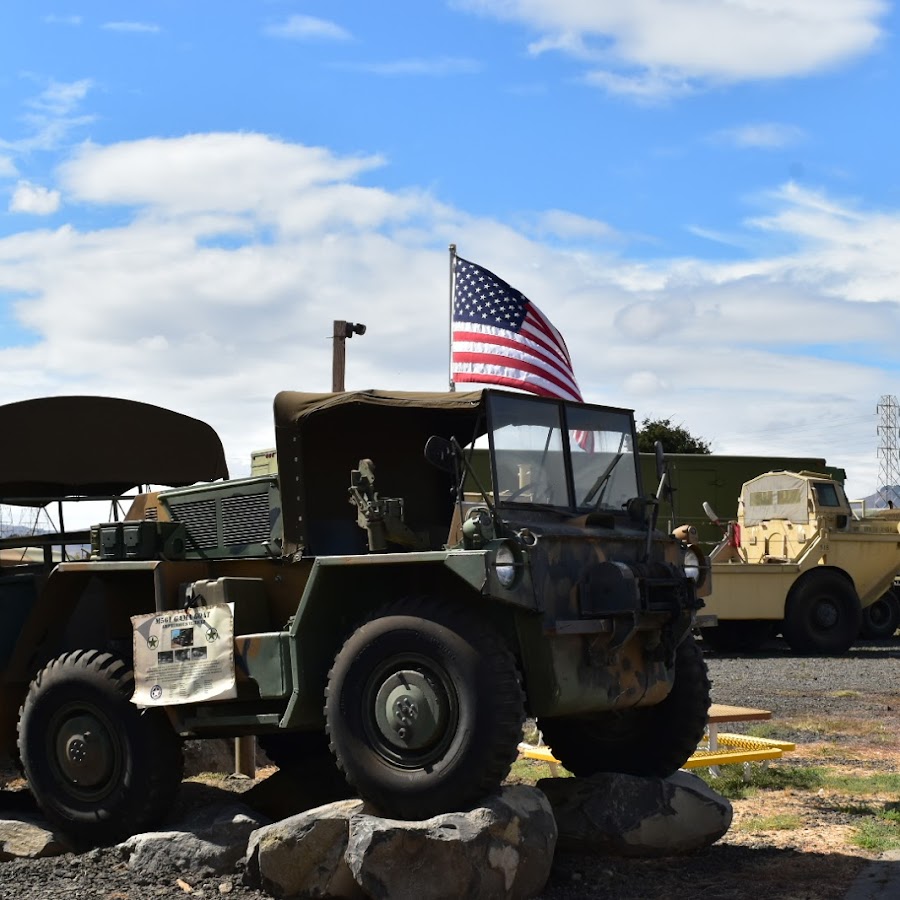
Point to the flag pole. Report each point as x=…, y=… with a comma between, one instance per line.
x=452, y=280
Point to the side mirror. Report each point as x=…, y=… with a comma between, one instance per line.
x=710, y=513
x=439, y=452
x=660, y=459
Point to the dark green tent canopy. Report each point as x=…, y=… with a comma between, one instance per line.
x=56, y=447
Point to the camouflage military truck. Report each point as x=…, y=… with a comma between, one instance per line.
x=797, y=561
x=388, y=607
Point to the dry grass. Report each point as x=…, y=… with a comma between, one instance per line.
x=803, y=826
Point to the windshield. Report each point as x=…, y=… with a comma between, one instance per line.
x=826, y=494
x=562, y=454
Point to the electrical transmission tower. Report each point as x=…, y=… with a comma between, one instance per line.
x=888, y=453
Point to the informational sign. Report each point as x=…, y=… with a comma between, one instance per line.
x=184, y=656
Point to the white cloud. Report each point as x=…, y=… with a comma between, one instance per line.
x=62, y=20
x=51, y=117
x=560, y=223
x=661, y=44
x=567, y=42
x=645, y=383
x=299, y=27
x=762, y=135
x=185, y=175
x=644, y=87
x=7, y=167
x=60, y=98
x=719, y=237
x=650, y=320
x=132, y=27
x=439, y=67
x=234, y=253
x=34, y=199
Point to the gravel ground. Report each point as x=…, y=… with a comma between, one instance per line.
x=861, y=686
x=848, y=693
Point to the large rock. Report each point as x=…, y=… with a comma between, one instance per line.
x=25, y=837
x=208, y=842
x=503, y=849
x=304, y=855
x=624, y=815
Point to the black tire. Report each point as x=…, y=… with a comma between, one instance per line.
x=424, y=709
x=881, y=619
x=823, y=615
x=647, y=741
x=99, y=768
x=738, y=635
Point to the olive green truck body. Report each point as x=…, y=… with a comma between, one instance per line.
x=403, y=623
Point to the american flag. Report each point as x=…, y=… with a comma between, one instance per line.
x=500, y=337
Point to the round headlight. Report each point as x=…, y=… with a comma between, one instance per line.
x=693, y=567
x=505, y=564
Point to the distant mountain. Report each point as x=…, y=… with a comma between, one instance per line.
x=10, y=530
x=879, y=499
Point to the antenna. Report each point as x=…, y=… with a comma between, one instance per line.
x=888, y=453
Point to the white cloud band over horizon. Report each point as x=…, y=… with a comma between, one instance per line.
x=215, y=276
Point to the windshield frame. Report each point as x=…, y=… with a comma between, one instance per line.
x=567, y=487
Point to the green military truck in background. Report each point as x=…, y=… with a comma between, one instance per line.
x=717, y=479
x=377, y=600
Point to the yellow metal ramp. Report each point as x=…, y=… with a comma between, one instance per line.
x=718, y=749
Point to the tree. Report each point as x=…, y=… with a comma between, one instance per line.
x=674, y=438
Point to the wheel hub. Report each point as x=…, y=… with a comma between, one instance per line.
x=84, y=751
x=409, y=712
x=826, y=614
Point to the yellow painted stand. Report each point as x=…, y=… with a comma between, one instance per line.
x=708, y=758
x=540, y=753
x=722, y=749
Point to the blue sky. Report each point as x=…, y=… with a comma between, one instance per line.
x=704, y=196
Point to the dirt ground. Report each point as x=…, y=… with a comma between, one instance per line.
x=796, y=840
x=792, y=838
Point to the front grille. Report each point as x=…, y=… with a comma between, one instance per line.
x=233, y=519
x=245, y=519
x=199, y=518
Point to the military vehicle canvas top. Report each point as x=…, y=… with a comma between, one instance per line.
x=88, y=447
x=391, y=606
x=799, y=561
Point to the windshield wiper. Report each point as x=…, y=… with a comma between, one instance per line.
x=601, y=482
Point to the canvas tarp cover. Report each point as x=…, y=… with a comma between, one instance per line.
x=320, y=438
x=55, y=447
x=292, y=406
x=777, y=496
